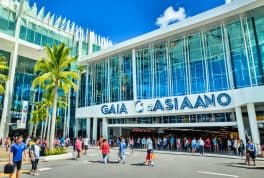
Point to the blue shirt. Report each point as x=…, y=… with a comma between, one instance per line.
x=17, y=150
x=251, y=147
x=122, y=148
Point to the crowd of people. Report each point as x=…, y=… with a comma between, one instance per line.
x=122, y=145
x=187, y=144
x=35, y=147
x=233, y=146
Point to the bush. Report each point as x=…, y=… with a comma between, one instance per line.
x=56, y=151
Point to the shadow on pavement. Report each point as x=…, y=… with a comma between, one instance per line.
x=109, y=162
x=138, y=164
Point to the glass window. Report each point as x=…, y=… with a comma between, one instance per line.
x=160, y=71
x=238, y=55
x=144, y=73
x=126, y=77
x=197, y=66
x=178, y=67
x=115, y=79
x=217, y=72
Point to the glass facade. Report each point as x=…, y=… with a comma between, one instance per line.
x=109, y=80
x=23, y=91
x=198, y=118
x=218, y=57
x=42, y=29
x=6, y=55
x=7, y=21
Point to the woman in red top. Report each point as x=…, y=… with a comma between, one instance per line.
x=105, y=150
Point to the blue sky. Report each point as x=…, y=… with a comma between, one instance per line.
x=120, y=20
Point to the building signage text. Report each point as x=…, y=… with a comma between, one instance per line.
x=201, y=101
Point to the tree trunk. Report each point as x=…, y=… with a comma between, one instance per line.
x=48, y=132
x=54, y=115
x=46, y=123
x=35, y=130
x=42, y=129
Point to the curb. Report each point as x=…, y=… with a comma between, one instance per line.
x=57, y=157
x=192, y=154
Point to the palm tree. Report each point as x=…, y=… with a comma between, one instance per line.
x=45, y=104
x=38, y=115
x=3, y=76
x=54, y=72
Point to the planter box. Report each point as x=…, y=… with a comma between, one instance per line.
x=57, y=157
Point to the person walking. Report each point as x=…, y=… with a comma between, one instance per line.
x=85, y=142
x=201, y=146
x=122, y=151
x=16, y=155
x=78, y=146
x=105, y=150
x=241, y=148
x=149, y=145
x=35, y=155
x=194, y=145
x=7, y=143
x=251, y=152
x=131, y=144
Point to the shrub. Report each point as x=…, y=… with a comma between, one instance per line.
x=56, y=151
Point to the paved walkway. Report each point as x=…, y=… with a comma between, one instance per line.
x=3, y=155
x=216, y=155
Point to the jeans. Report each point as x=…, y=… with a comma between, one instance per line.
x=34, y=164
x=105, y=158
x=201, y=149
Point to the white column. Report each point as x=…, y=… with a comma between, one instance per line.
x=134, y=69
x=88, y=128
x=105, y=128
x=95, y=129
x=76, y=127
x=253, y=123
x=240, y=124
x=6, y=113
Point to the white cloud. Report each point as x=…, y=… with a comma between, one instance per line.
x=170, y=15
x=228, y=1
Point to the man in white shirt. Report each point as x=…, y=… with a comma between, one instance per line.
x=86, y=141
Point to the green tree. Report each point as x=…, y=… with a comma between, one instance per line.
x=54, y=73
x=3, y=76
x=38, y=115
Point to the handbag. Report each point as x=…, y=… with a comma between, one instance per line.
x=9, y=169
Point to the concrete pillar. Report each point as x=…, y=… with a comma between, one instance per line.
x=88, y=128
x=6, y=113
x=240, y=124
x=253, y=124
x=95, y=129
x=105, y=128
x=134, y=70
x=76, y=128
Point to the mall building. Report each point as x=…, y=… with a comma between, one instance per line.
x=24, y=31
x=202, y=75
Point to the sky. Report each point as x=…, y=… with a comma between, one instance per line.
x=120, y=20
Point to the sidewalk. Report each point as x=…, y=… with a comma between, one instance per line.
x=216, y=155
x=3, y=156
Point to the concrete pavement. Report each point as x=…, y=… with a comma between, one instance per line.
x=166, y=165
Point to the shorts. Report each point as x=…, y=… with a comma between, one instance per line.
x=149, y=152
x=17, y=164
x=252, y=155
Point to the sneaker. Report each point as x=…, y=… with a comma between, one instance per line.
x=36, y=174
